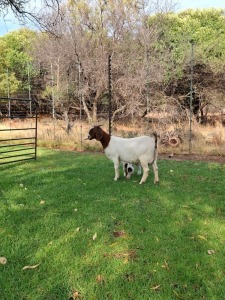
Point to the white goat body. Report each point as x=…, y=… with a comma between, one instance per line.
x=141, y=150
x=131, y=149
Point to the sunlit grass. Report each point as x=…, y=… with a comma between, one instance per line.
x=93, y=238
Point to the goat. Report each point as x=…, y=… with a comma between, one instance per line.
x=141, y=150
x=128, y=169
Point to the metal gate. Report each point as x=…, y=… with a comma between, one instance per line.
x=18, y=130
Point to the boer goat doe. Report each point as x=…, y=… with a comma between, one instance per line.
x=141, y=150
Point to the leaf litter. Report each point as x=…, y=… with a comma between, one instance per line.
x=30, y=267
x=3, y=260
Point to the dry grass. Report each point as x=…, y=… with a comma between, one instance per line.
x=206, y=140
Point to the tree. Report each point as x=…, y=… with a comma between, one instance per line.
x=14, y=60
x=90, y=30
x=206, y=28
x=38, y=15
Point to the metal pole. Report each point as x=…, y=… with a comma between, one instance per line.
x=148, y=82
x=53, y=96
x=8, y=92
x=110, y=92
x=80, y=100
x=191, y=96
x=29, y=88
x=36, y=125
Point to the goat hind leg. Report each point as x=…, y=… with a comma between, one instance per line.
x=145, y=173
x=155, y=170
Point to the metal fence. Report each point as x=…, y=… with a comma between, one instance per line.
x=18, y=130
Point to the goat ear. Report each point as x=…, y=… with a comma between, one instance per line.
x=99, y=133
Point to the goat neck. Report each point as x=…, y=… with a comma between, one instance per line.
x=105, y=139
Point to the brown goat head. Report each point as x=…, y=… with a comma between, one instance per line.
x=95, y=133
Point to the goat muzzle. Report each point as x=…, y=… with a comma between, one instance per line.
x=89, y=138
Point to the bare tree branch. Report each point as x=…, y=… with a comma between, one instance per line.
x=36, y=15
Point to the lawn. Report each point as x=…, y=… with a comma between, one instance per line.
x=68, y=231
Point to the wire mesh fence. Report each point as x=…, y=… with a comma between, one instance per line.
x=66, y=112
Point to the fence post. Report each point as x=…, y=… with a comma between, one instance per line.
x=29, y=87
x=53, y=96
x=148, y=82
x=110, y=92
x=80, y=101
x=191, y=96
x=8, y=92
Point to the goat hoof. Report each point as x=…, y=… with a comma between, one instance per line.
x=156, y=182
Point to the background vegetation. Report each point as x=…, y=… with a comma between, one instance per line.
x=151, y=53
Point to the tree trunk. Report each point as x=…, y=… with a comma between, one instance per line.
x=86, y=111
x=94, y=112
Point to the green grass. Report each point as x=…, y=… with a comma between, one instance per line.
x=152, y=240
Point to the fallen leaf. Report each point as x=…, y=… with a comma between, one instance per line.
x=42, y=202
x=30, y=267
x=130, y=277
x=77, y=229
x=132, y=254
x=210, y=252
x=178, y=296
x=201, y=237
x=76, y=295
x=156, y=287
x=3, y=260
x=100, y=279
x=165, y=265
x=126, y=261
x=75, y=209
x=119, y=233
x=94, y=236
x=113, y=244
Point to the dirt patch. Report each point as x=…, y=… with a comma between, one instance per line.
x=193, y=157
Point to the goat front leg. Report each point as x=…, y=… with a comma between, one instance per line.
x=117, y=169
x=145, y=173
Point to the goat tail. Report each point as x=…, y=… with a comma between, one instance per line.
x=156, y=136
x=156, y=139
